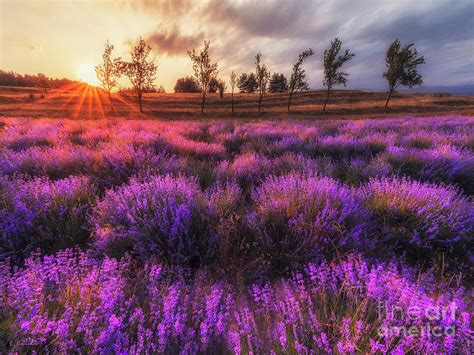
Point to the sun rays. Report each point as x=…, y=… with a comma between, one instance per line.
x=81, y=100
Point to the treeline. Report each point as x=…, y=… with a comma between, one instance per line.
x=401, y=70
x=246, y=83
x=11, y=78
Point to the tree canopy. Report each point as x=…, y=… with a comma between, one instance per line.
x=402, y=67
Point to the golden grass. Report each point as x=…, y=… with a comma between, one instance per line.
x=81, y=101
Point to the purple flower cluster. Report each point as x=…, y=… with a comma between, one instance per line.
x=42, y=213
x=247, y=169
x=220, y=236
x=422, y=215
x=161, y=216
x=297, y=216
x=445, y=163
x=70, y=302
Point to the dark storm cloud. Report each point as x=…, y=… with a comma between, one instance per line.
x=172, y=42
x=443, y=31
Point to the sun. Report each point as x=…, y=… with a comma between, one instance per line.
x=86, y=74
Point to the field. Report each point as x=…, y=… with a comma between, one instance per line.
x=81, y=101
x=236, y=235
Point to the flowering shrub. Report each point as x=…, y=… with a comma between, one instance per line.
x=296, y=217
x=222, y=236
x=45, y=214
x=72, y=303
x=339, y=147
x=421, y=216
x=54, y=162
x=247, y=169
x=226, y=208
x=163, y=216
x=444, y=164
x=298, y=163
x=181, y=145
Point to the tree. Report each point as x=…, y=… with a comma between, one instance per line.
x=204, y=69
x=43, y=82
x=161, y=90
x=402, y=63
x=213, y=86
x=262, y=75
x=251, y=85
x=278, y=83
x=221, y=86
x=108, y=72
x=298, y=81
x=12, y=78
x=332, y=63
x=233, y=83
x=140, y=71
x=187, y=85
x=242, y=82
x=247, y=83
x=217, y=85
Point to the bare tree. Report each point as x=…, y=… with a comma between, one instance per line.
x=402, y=65
x=262, y=74
x=204, y=69
x=108, y=72
x=233, y=83
x=298, y=81
x=332, y=63
x=141, y=70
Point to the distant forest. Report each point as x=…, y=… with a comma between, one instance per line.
x=11, y=78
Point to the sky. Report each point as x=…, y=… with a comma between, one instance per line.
x=65, y=38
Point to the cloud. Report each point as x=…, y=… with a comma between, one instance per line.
x=261, y=18
x=442, y=30
x=162, y=8
x=172, y=42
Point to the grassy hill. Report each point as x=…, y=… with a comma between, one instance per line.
x=85, y=102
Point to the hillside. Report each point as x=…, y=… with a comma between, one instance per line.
x=91, y=103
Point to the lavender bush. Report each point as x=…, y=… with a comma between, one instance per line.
x=279, y=237
x=47, y=214
x=421, y=217
x=163, y=216
x=69, y=303
x=296, y=218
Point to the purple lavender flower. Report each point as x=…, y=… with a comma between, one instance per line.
x=296, y=217
x=43, y=213
x=421, y=215
x=163, y=216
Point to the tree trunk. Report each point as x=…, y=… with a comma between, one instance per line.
x=110, y=100
x=327, y=99
x=260, y=102
x=203, y=101
x=232, y=101
x=388, y=98
x=140, y=102
x=289, y=101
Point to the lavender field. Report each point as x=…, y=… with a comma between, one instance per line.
x=341, y=236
